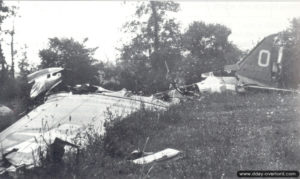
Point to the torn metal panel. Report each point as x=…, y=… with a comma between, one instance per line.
x=213, y=84
x=67, y=116
x=43, y=80
x=31, y=77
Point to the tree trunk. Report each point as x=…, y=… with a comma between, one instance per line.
x=155, y=58
x=156, y=26
x=12, y=54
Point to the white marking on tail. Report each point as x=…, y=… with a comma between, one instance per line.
x=280, y=52
x=260, y=62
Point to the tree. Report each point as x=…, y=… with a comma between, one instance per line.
x=291, y=63
x=73, y=56
x=4, y=10
x=23, y=64
x=13, y=13
x=157, y=40
x=8, y=85
x=108, y=75
x=206, y=48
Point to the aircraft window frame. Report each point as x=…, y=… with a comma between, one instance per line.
x=267, y=62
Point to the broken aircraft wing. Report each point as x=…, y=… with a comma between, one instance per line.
x=65, y=116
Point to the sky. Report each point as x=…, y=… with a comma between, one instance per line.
x=101, y=22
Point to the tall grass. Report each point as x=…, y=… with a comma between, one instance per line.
x=218, y=135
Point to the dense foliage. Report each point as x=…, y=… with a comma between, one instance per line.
x=157, y=41
x=6, y=79
x=157, y=54
x=291, y=63
x=218, y=136
x=215, y=144
x=73, y=56
x=160, y=53
x=207, y=48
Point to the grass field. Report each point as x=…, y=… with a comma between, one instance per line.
x=218, y=135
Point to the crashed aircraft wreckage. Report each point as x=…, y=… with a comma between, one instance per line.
x=68, y=115
x=261, y=69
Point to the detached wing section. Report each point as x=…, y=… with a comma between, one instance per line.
x=66, y=116
x=262, y=66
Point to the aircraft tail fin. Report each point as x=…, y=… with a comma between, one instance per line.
x=262, y=66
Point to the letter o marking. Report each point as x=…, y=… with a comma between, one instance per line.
x=264, y=58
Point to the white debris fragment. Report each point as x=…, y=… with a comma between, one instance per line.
x=5, y=111
x=158, y=156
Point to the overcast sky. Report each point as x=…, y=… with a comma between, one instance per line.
x=101, y=22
